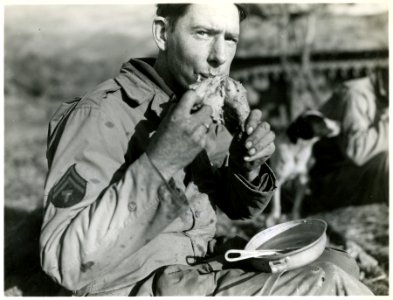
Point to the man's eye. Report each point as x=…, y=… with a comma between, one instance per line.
x=202, y=33
x=233, y=40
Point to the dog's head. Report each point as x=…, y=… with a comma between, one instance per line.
x=312, y=124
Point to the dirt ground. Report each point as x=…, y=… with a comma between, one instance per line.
x=363, y=230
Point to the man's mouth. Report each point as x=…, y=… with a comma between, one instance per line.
x=203, y=76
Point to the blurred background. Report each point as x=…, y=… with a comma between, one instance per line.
x=290, y=58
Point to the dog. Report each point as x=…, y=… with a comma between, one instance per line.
x=293, y=158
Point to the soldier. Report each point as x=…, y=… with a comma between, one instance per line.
x=135, y=175
x=356, y=162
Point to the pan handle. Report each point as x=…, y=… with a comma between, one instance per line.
x=245, y=254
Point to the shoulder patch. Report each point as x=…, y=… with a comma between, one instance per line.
x=70, y=189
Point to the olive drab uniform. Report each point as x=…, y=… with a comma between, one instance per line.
x=110, y=217
x=114, y=226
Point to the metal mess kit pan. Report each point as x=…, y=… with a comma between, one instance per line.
x=284, y=246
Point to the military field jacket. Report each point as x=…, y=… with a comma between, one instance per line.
x=110, y=217
x=356, y=162
x=364, y=120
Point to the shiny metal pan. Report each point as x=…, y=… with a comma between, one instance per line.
x=284, y=246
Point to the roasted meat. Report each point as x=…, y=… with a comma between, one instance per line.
x=228, y=99
x=236, y=108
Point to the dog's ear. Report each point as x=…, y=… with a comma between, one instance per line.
x=293, y=132
x=301, y=128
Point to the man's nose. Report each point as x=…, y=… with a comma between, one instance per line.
x=218, y=52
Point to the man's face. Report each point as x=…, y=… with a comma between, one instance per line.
x=202, y=43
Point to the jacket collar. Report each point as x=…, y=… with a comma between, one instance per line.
x=142, y=83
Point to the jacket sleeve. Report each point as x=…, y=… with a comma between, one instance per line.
x=241, y=199
x=91, y=223
x=363, y=135
x=231, y=192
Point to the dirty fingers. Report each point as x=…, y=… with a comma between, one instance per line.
x=260, y=142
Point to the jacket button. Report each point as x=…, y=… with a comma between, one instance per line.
x=132, y=206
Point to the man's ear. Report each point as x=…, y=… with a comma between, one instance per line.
x=160, y=29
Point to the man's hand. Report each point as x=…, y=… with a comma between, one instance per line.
x=249, y=150
x=181, y=135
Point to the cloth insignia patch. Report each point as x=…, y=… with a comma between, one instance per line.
x=70, y=189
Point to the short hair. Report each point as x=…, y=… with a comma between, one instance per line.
x=172, y=12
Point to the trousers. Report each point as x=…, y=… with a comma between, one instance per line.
x=334, y=273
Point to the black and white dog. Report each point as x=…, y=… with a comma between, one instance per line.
x=293, y=158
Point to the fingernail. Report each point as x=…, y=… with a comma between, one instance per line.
x=250, y=130
x=248, y=144
x=246, y=158
x=252, y=151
